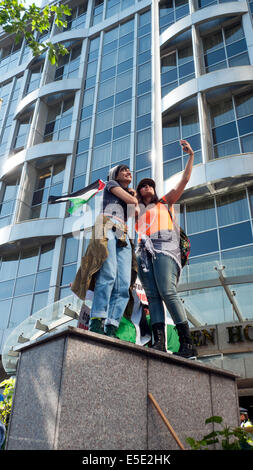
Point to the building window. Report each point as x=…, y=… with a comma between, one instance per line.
x=177, y=67
x=220, y=225
x=232, y=208
x=68, y=64
x=69, y=266
x=24, y=283
x=115, y=6
x=80, y=171
x=22, y=132
x=232, y=125
x=225, y=48
x=143, y=99
x=35, y=74
x=7, y=205
x=49, y=183
x=114, y=106
x=207, y=3
x=171, y=11
x=70, y=258
x=220, y=234
x=201, y=216
x=220, y=230
x=92, y=63
x=10, y=57
x=27, y=52
x=13, y=101
x=98, y=11
x=77, y=18
x=251, y=6
x=5, y=94
x=59, y=120
x=185, y=126
x=86, y=113
x=250, y=190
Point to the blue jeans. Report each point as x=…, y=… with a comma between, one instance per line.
x=160, y=284
x=111, y=293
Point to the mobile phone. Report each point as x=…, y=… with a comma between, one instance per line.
x=184, y=147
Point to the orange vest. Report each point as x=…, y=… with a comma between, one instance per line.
x=153, y=220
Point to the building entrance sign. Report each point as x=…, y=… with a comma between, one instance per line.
x=224, y=338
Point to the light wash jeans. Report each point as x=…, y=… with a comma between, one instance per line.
x=160, y=284
x=111, y=293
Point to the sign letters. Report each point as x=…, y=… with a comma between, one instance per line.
x=234, y=334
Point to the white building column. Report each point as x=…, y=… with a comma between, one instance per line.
x=205, y=135
x=56, y=269
x=89, y=13
x=193, y=6
x=93, y=117
x=206, y=143
x=156, y=114
x=25, y=193
x=247, y=27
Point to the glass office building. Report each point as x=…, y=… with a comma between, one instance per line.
x=140, y=75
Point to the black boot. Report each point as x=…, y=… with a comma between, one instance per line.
x=186, y=349
x=97, y=325
x=159, y=337
x=110, y=330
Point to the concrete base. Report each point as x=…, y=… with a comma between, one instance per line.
x=82, y=391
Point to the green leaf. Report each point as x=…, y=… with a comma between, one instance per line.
x=190, y=441
x=23, y=21
x=212, y=441
x=212, y=434
x=214, y=419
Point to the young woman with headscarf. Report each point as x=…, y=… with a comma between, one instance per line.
x=108, y=265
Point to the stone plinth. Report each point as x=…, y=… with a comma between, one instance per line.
x=82, y=391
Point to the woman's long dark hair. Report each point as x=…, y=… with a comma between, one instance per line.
x=154, y=200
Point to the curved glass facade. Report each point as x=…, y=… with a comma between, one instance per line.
x=24, y=283
x=62, y=127
x=220, y=230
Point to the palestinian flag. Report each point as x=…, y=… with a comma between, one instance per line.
x=80, y=197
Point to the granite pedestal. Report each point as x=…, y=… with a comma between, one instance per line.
x=83, y=391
